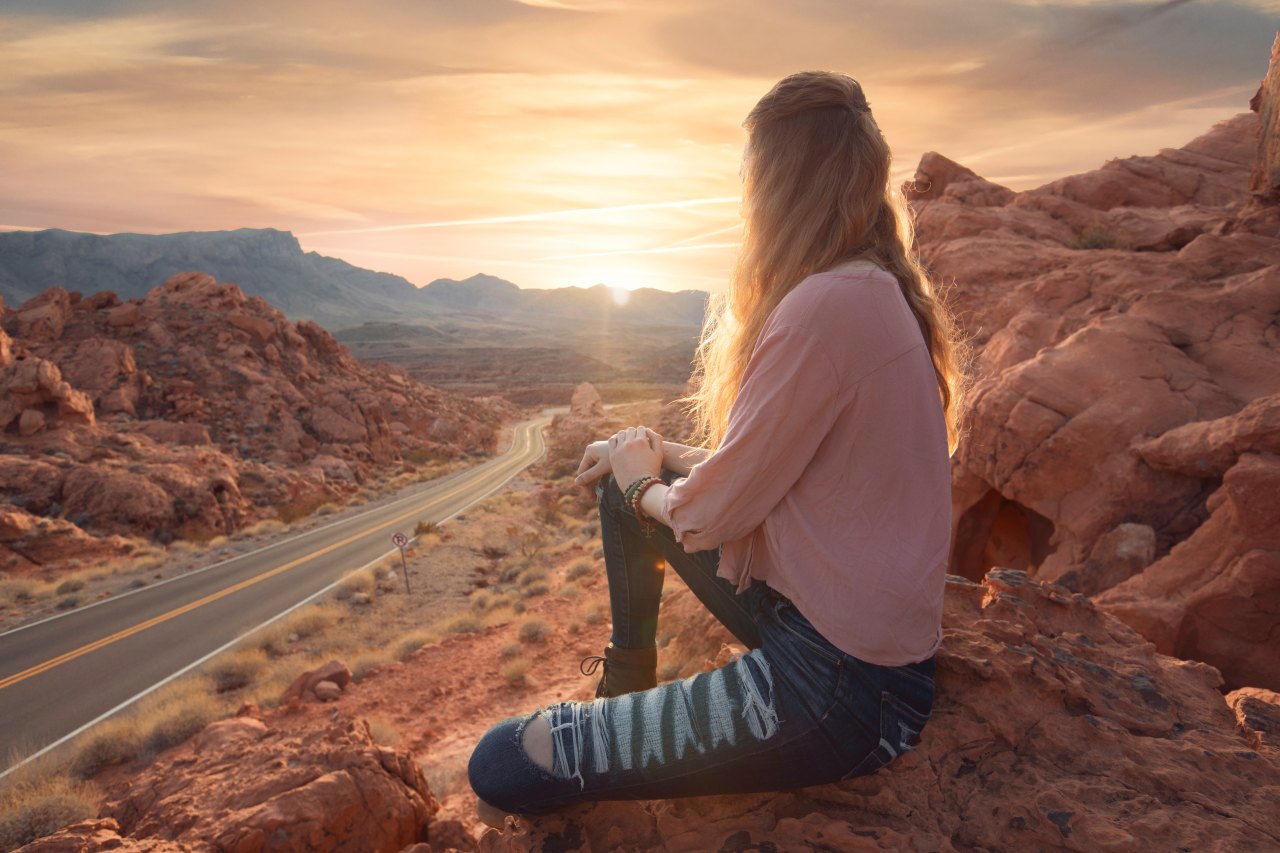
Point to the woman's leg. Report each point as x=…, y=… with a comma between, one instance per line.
x=792, y=713
x=633, y=564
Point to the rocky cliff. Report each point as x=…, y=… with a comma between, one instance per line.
x=189, y=412
x=1121, y=436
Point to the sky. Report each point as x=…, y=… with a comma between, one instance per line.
x=562, y=142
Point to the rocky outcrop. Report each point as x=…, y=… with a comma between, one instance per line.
x=1028, y=673
x=1125, y=360
x=569, y=433
x=243, y=785
x=196, y=409
x=1264, y=180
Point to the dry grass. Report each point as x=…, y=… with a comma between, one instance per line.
x=411, y=643
x=38, y=804
x=461, y=623
x=568, y=590
x=534, y=631
x=361, y=581
x=515, y=672
x=236, y=670
x=382, y=731
x=533, y=589
x=266, y=527
x=580, y=568
x=295, y=511
x=21, y=590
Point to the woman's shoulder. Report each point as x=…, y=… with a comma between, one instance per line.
x=839, y=291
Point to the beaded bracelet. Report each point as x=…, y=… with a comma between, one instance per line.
x=633, y=495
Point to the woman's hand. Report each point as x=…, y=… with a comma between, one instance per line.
x=594, y=464
x=635, y=452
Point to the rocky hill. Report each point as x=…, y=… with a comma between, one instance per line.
x=190, y=412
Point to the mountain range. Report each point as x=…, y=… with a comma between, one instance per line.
x=306, y=285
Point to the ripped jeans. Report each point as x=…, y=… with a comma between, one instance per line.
x=793, y=711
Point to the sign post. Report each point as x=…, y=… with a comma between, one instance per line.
x=400, y=541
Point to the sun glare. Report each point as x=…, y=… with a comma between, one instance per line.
x=621, y=296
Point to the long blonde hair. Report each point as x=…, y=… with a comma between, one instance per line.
x=816, y=193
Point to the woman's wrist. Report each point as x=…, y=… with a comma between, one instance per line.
x=652, y=500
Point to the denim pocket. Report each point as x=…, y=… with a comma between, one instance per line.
x=789, y=618
x=900, y=727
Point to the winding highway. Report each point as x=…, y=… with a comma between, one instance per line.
x=61, y=675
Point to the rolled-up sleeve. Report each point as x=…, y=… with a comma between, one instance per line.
x=785, y=407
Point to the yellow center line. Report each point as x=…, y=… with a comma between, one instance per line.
x=214, y=596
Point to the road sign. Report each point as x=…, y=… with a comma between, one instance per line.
x=399, y=539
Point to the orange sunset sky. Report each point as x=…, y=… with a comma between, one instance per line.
x=561, y=142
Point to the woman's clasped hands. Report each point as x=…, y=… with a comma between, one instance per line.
x=629, y=454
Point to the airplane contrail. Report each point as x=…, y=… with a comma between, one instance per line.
x=533, y=217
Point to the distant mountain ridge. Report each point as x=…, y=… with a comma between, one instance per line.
x=306, y=285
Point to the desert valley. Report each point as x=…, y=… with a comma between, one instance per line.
x=1110, y=672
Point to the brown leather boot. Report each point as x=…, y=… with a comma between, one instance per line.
x=625, y=670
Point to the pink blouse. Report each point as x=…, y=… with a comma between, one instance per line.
x=832, y=483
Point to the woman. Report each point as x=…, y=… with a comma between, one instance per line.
x=817, y=528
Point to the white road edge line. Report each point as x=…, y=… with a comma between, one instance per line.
x=126, y=703
x=314, y=530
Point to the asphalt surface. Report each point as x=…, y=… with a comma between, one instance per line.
x=61, y=675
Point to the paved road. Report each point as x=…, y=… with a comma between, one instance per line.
x=61, y=675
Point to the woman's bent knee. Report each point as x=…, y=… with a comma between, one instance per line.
x=500, y=770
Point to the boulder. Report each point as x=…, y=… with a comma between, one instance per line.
x=327, y=788
x=304, y=686
x=1258, y=711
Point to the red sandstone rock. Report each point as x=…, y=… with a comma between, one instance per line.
x=327, y=691
x=334, y=672
x=194, y=364
x=939, y=177
x=1216, y=596
x=569, y=434
x=1056, y=728
x=98, y=836
x=1264, y=180
x=1257, y=711
x=330, y=788
x=1211, y=170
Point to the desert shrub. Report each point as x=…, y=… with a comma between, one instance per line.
x=70, y=602
x=568, y=590
x=70, y=585
x=410, y=643
x=16, y=590
x=580, y=568
x=310, y=620
x=515, y=671
x=425, y=528
x=382, y=732
x=34, y=808
x=510, y=650
x=481, y=601
x=367, y=663
x=461, y=623
x=296, y=510
x=236, y=670
x=326, y=509
x=535, y=589
x=534, y=631
x=107, y=744
x=594, y=613
x=361, y=581
x=137, y=583
x=1100, y=235
x=533, y=574
x=176, y=715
